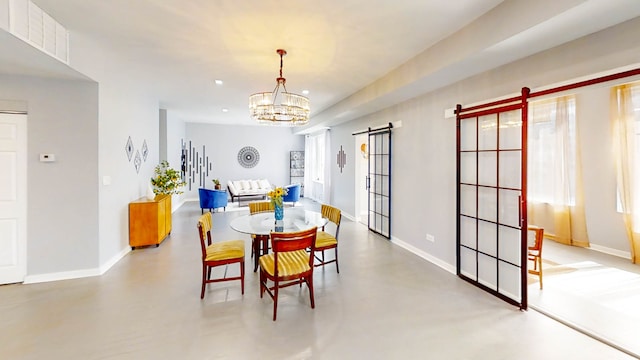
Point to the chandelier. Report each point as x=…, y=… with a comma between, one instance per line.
x=292, y=109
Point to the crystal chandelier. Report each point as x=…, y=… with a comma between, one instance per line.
x=292, y=109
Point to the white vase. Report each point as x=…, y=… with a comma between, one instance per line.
x=150, y=194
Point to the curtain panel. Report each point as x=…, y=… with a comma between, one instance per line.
x=624, y=125
x=555, y=195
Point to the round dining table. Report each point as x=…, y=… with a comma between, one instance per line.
x=262, y=224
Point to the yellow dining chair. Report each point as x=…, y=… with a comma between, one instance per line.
x=326, y=240
x=535, y=252
x=218, y=254
x=256, y=240
x=289, y=264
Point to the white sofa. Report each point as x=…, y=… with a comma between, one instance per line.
x=248, y=188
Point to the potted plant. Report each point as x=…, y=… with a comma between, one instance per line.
x=216, y=184
x=167, y=180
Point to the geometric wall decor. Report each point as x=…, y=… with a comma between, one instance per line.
x=145, y=150
x=129, y=148
x=248, y=157
x=342, y=159
x=137, y=161
x=195, y=165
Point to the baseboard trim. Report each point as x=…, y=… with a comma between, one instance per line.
x=430, y=258
x=64, y=275
x=114, y=260
x=610, y=251
x=349, y=216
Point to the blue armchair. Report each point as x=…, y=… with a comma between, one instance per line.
x=293, y=193
x=212, y=199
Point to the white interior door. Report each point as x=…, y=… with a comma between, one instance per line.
x=13, y=198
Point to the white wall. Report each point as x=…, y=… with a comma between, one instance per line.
x=126, y=110
x=424, y=173
x=62, y=208
x=175, y=133
x=223, y=142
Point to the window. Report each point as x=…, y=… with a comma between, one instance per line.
x=316, y=157
x=552, y=151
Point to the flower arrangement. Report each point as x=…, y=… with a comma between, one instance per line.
x=276, y=196
x=167, y=180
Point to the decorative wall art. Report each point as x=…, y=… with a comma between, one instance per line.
x=342, y=159
x=145, y=150
x=248, y=157
x=137, y=161
x=196, y=165
x=129, y=148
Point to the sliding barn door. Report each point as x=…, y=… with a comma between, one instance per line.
x=379, y=181
x=491, y=173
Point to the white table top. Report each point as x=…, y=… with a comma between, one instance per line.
x=264, y=223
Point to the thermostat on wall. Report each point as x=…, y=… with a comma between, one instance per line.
x=47, y=157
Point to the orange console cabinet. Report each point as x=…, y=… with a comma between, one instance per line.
x=149, y=221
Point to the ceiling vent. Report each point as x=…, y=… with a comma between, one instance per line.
x=31, y=24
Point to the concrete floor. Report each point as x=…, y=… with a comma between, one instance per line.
x=386, y=303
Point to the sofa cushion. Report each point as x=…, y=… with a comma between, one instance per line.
x=264, y=184
x=255, y=185
x=232, y=187
x=246, y=185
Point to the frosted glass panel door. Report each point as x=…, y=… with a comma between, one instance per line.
x=490, y=160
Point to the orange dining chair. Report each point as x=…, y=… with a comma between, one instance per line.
x=258, y=240
x=535, y=251
x=218, y=254
x=289, y=264
x=327, y=240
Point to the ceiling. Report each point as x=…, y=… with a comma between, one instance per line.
x=336, y=48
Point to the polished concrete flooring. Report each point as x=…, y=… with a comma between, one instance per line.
x=591, y=291
x=386, y=303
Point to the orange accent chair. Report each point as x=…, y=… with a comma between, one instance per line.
x=218, y=254
x=289, y=264
x=535, y=252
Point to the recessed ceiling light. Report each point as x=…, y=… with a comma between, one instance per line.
x=225, y=110
x=218, y=82
x=305, y=92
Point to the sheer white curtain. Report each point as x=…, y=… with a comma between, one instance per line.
x=317, y=180
x=554, y=193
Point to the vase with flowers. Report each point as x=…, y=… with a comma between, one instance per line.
x=276, y=196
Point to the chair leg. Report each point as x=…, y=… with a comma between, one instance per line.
x=310, y=285
x=275, y=300
x=242, y=276
x=337, y=267
x=256, y=253
x=540, y=271
x=204, y=274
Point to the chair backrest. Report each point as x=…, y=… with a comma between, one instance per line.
x=292, y=241
x=293, y=193
x=333, y=214
x=539, y=236
x=204, y=229
x=260, y=206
